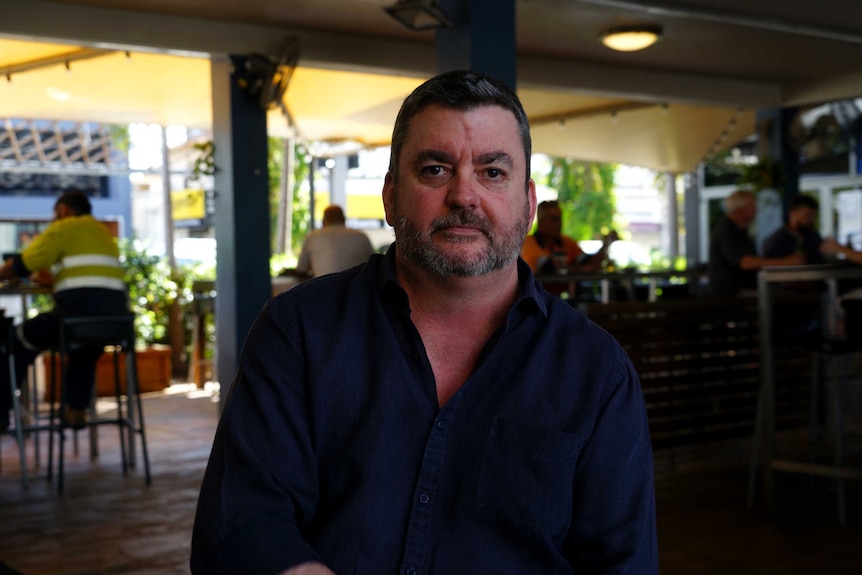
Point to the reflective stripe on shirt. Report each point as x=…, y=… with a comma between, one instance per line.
x=90, y=281
x=91, y=260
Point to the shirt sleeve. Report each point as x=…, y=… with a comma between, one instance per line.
x=733, y=247
x=573, y=251
x=614, y=529
x=45, y=250
x=260, y=489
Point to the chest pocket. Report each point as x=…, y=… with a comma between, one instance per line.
x=527, y=476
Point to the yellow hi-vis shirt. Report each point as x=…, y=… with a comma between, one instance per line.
x=80, y=251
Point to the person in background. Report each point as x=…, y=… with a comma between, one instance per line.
x=334, y=247
x=79, y=256
x=799, y=235
x=548, y=250
x=733, y=259
x=433, y=411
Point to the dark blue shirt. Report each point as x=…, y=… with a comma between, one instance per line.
x=784, y=242
x=728, y=244
x=332, y=447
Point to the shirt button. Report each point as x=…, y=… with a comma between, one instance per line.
x=410, y=571
x=423, y=499
x=441, y=425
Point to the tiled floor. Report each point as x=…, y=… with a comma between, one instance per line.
x=106, y=523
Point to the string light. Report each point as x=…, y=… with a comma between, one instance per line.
x=614, y=117
x=68, y=66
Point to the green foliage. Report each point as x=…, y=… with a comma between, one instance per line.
x=204, y=164
x=152, y=290
x=585, y=191
x=765, y=174
x=299, y=198
x=720, y=170
x=119, y=136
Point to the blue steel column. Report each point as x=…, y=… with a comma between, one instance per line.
x=773, y=129
x=241, y=216
x=482, y=38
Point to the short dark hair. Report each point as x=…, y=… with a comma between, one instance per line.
x=76, y=201
x=333, y=214
x=803, y=201
x=545, y=206
x=458, y=90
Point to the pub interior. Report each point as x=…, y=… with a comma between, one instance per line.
x=756, y=436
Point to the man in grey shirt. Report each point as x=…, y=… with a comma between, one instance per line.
x=334, y=247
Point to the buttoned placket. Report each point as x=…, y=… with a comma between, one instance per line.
x=415, y=560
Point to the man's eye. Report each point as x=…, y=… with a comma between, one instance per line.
x=494, y=173
x=433, y=170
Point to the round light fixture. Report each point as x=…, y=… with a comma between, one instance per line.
x=631, y=38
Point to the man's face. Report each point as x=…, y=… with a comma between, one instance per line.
x=461, y=205
x=550, y=223
x=803, y=219
x=748, y=211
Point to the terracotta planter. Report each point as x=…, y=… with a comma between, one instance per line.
x=154, y=370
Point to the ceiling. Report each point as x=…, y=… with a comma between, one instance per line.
x=667, y=107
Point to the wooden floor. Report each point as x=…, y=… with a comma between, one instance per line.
x=106, y=523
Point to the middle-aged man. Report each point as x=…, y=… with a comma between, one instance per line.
x=87, y=279
x=733, y=259
x=433, y=411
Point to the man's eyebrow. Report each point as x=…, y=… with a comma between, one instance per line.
x=495, y=158
x=435, y=156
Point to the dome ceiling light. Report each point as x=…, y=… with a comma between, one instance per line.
x=630, y=38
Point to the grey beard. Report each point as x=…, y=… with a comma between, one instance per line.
x=501, y=250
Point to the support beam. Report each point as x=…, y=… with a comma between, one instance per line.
x=482, y=38
x=243, y=282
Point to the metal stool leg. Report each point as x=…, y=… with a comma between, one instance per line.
x=135, y=404
x=838, y=431
x=16, y=409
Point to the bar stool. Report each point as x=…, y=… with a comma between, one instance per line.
x=117, y=332
x=6, y=339
x=831, y=384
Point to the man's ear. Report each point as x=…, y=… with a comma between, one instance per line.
x=531, y=197
x=388, y=198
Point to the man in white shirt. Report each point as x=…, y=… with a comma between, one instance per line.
x=333, y=248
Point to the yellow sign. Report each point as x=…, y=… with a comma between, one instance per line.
x=359, y=206
x=188, y=204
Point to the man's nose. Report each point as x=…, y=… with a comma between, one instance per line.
x=461, y=191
